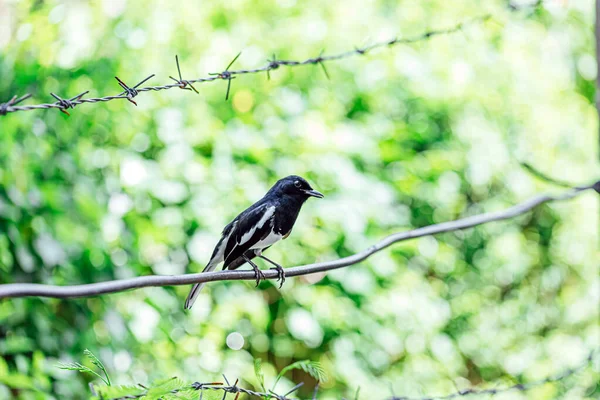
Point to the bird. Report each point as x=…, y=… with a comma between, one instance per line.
x=257, y=228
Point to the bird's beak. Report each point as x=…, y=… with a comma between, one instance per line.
x=314, y=193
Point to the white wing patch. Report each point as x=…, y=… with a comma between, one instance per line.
x=268, y=241
x=269, y=212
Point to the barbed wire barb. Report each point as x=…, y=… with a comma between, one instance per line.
x=183, y=84
x=130, y=92
x=316, y=391
x=68, y=103
x=226, y=74
x=319, y=60
x=292, y=390
x=12, y=102
x=273, y=64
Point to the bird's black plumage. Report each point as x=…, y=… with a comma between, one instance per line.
x=258, y=227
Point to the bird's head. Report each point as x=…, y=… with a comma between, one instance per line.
x=295, y=186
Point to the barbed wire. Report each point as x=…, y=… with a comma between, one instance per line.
x=522, y=387
x=128, y=93
x=219, y=386
x=228, y=75
x=227, y=388
x=94, y=289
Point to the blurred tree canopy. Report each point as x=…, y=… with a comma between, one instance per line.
x=401, y=138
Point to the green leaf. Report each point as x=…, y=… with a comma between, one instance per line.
x=313, y=368
x=162, y=388
x=3, y=367
x=191, y=394
x=259, y=374
x=74, y=366
x=18, y=381
x=94, y=360
x=115, y=392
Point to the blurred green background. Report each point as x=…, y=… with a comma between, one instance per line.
x=401, y=138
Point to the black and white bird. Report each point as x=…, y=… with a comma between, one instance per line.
x=257, y=228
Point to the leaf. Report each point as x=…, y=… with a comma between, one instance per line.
x=191, y=394
x=18, y=381
x=115, y=392
x=160, y=389
x=3, y=367
x=94, y=360
x=259, y=374
x=313, y=368
x=74, y=366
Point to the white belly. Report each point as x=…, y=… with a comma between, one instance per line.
x=268, y=241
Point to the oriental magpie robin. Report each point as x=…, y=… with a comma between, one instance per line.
x=257, y=228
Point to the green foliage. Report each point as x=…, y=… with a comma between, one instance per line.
x=163, y=387
x=18, y=381
x=313, y=368
x=118, y=391
x=75, y=366
x=96, y=362
x=399, y=139
x=172, y=388
x=160, y=390
x=260, y=377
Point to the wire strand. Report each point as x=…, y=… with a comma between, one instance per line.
x=95, y=289
x=129, y=93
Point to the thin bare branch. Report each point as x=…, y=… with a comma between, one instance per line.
x=543, y=176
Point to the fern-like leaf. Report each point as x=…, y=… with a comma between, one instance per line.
x=74, y=366
x=259, y=374
x=164, y=388
x=118, y=392
x=95, y=361
x=313, y=368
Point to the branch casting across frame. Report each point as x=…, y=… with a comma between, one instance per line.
x=95, y=289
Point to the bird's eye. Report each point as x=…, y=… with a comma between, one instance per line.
x=297, y=184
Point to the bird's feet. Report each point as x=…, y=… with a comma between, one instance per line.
x=279, y=269
x=259, y=274
x=280, y=275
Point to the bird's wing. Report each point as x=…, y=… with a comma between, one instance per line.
x=250, y=227
x=215, y=259
x=247, y=229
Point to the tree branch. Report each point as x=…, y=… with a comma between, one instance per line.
x=94, y=289
x=544, y=177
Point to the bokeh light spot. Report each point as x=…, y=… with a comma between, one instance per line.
x=243, y=101
x=235, y=341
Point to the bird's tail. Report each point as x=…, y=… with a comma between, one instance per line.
x=189, y=302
